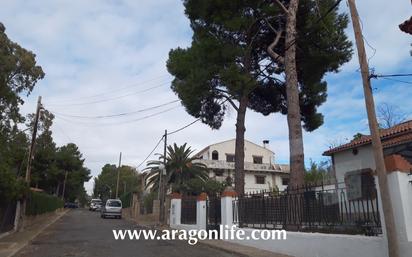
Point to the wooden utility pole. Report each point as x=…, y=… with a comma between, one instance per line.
x=163, y=184
x=30, y=160
x=118, y=176
x=376, y=140
x=64, y=184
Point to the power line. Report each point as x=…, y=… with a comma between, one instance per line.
x=151, y=152
x=397, y=80
x=391, y=75
x=114, y=90
x=113, y=98
x=182, y=128
x=117, y=123
x=118, y=114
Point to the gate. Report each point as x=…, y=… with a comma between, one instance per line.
x=213, y=212
x=7, y=215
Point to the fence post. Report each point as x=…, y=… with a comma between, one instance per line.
x=175, y=209
x=227, y=206
x=201, y=211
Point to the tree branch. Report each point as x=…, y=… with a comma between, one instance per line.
x=282, y=6
x=272, y=53
x=231, y=102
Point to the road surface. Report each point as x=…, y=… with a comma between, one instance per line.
x=83, y=233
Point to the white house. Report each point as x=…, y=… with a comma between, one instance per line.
x=357, y=155
x=261, y=172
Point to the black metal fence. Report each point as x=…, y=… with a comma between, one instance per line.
x=214, y=216
x=327, y=209
x=7, y=216
x=188, y=214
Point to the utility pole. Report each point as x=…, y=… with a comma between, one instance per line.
x=118, y=175
x=162, y=183
x=376, y=140
x=64, y=184
x=30, y=159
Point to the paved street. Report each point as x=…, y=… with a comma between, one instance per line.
x=84, y=233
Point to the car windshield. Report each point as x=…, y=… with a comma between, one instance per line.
x=96, y=201
x=114, y=204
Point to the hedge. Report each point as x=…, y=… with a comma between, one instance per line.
x=38, y=203
x=126, y=199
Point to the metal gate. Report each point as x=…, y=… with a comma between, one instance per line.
x=213, y=212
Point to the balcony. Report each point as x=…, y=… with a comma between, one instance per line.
x=224, y=165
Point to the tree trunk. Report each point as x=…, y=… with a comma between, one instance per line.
x=292, y=91
x=240, y=146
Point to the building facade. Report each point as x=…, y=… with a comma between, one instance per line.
x=357, y=155
x=261, y=171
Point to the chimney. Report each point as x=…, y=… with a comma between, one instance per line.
x=265, y=143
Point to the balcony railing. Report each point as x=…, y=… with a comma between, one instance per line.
x=218, y=164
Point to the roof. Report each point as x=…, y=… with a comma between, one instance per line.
x=406, y=26
x=395, y=135
x=233, y=139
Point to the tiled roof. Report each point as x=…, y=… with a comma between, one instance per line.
x=395, y=135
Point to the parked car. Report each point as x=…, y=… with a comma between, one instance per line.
x=71, y=205
x=94, y=203
x=112, y=208
x=98, y=206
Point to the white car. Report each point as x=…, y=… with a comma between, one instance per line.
x=94, y=204
x=112, y=208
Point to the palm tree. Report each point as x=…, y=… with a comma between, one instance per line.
x=179, y=168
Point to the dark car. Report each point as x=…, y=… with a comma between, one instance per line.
x=71, y=205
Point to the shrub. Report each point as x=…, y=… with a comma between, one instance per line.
x=126, y=199
x=39, y=203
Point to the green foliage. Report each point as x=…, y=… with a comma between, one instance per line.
x=148, y=201
x=39, y=203
x=19, y=73
x=126, y=199
x=318, y=172
x=195, y=186
x=107, y=180
x=322, y=47
x=18, y=76
x=179, y=168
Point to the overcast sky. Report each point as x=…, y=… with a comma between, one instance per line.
x=108, y=57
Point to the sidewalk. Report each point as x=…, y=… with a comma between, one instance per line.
x=11, y=244
x=241, y=250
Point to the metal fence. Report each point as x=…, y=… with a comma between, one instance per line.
x=214, y=216
x=327, y=209
x=7, y=216
x=188, y=214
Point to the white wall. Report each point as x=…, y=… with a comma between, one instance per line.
x=321, y=245
x=228, y=147
x=346, y=161
x=401, y=197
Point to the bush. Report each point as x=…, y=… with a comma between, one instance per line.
x=126, y=199
x=39, y=203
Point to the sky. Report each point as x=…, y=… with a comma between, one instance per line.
x=103, y=57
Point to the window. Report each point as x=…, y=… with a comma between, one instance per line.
x=215, y=155
x=230, y=157
x=260, y=179
x=218, y=173
x=257, y=159
x=285, y=181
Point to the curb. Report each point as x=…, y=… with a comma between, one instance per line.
x=36, y=234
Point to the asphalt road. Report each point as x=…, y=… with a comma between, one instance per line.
x=84, y=233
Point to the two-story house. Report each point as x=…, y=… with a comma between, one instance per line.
x=261, y=172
